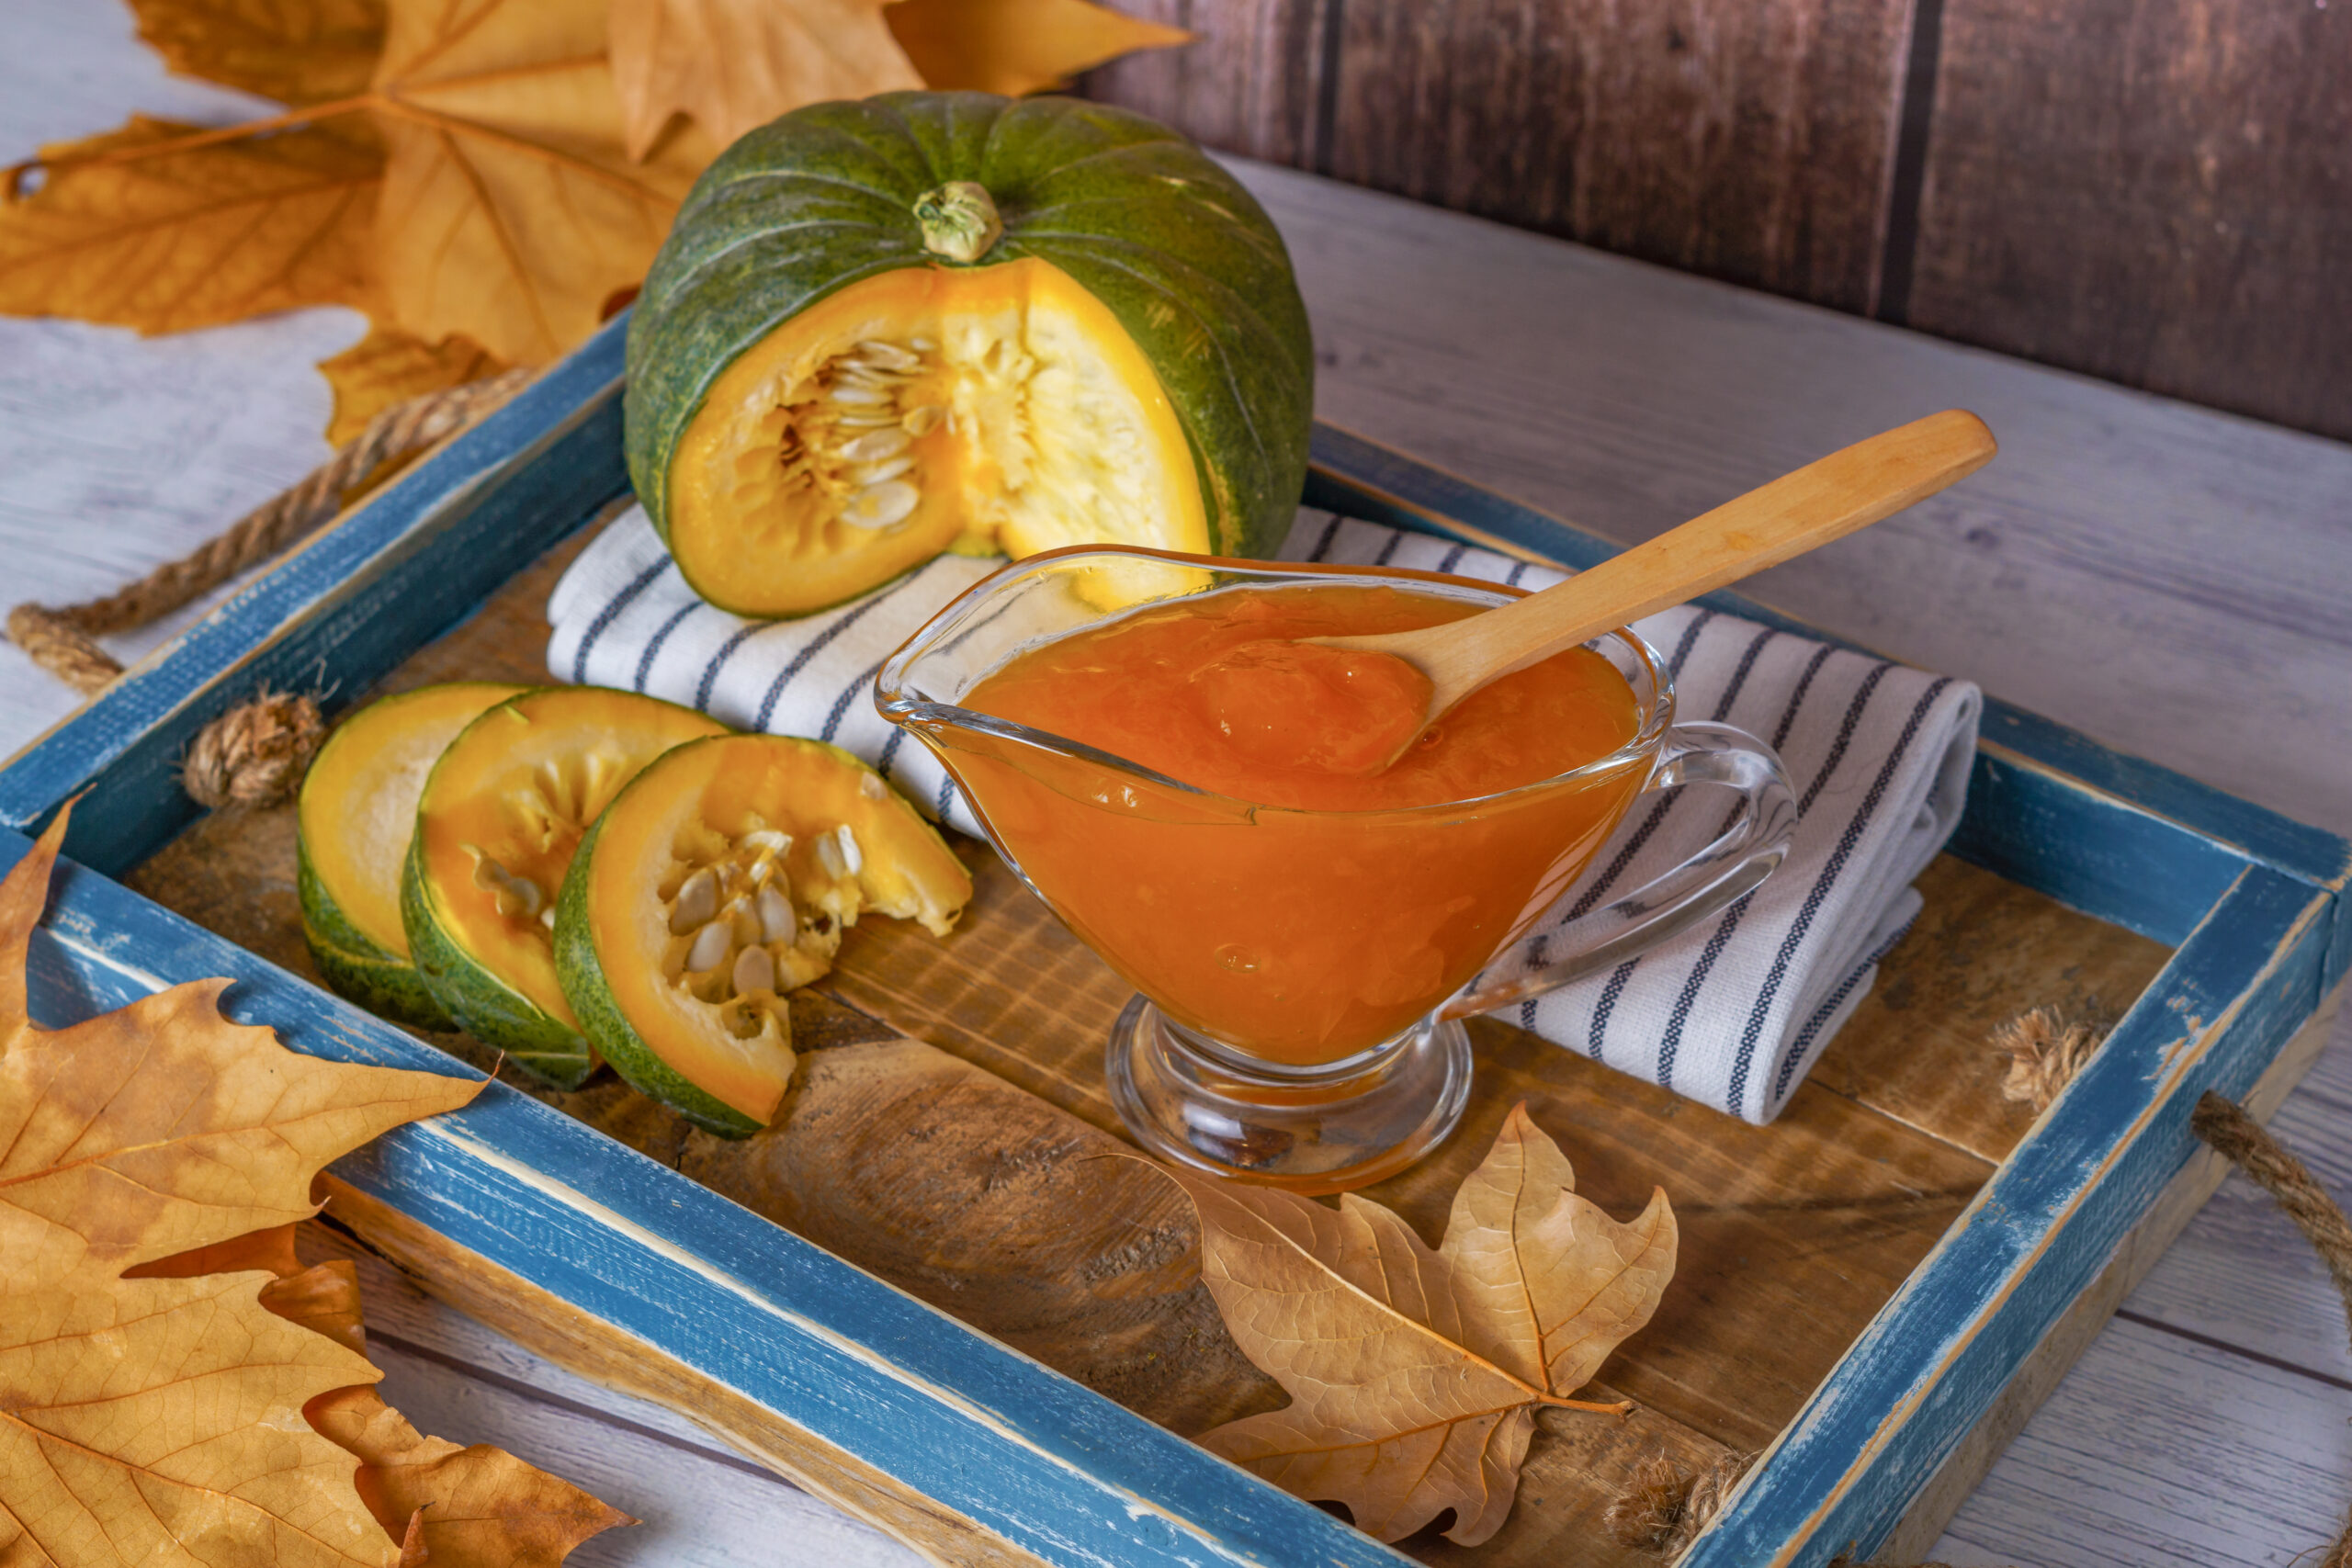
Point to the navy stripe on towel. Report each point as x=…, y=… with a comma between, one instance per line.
x=1846, y=841
x=816, y=646
x=611, y=612
x=653, y=644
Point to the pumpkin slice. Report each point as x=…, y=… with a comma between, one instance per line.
x=354, y=819
x=496, y=825
x=949, y=320
x=719, y=880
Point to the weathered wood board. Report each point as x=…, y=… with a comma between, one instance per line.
x=949, y=1133
x=2153, y=191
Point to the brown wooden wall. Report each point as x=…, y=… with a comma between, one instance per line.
x=2155, y=191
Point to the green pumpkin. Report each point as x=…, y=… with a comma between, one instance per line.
x=953, y=320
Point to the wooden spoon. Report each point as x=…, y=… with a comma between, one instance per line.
x=1822, y=501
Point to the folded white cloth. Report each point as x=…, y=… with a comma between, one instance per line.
x=1731, y=1013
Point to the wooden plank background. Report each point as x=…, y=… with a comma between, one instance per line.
x=2155, y=191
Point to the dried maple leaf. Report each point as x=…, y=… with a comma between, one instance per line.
x=142, y=1419
x=733, y=64
x=1414, y=1374
x=138, y=1414
x=297, y=52
x=389, y=366
x=511, y=210
x=167, y=227
x=162, y=1126
x=470, y=1508
x=1017, y=46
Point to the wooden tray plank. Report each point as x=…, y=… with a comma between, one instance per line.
x=1983, y=950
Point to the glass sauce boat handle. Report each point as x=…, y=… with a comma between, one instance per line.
x=1755, y=840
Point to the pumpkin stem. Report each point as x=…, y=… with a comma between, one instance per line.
x=959, y=220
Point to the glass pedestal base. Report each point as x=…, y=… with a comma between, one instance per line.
x=1313, y=1130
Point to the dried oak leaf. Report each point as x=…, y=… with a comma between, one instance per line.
x=141, y=1415
x=1414, y=1374
x=1017, y=46
x=167, y=227
x=389, y=366
x=297, y=52
x=733, y=64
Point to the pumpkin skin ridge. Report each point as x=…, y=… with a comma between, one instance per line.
x=1244, y=420
x=627, y=1052
x=354, y=965
x=482, y=1003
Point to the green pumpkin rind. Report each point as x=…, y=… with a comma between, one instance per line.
x=480, y=1002
x=582, y=976
x=355, y=966
x=1177, y=250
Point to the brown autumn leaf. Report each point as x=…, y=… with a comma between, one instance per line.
x=1017, y=46
x=474, y=1508
x=389, y=366
x=158, y=1340
x=510, y=208
x=1415, y=1375
x=477, y=188
x=733, y=64
x=167, y=227
x=297, y=52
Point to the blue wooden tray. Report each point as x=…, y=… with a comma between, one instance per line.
x=963, y=1447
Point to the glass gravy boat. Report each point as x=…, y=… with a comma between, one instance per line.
x=1302, y=974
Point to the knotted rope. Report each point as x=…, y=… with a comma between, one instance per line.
x=254, y=754
x=1663, y=1507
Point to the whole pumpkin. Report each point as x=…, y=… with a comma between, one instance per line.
x=934, y=321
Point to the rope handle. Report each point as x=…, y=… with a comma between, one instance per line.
x=1663, y=1507
x=254, y=754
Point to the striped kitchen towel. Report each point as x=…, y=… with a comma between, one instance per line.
x=1731, y=1014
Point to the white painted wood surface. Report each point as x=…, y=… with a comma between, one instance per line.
x=2168, y=580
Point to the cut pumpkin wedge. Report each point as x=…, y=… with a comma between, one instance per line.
x=354, y=819
x=496, y=825
x=719, y=880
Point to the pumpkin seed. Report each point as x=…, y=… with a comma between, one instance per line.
x=697, y=901
x=889, y=469
x=767, y=840
x=777, y=922
x=855, y=396
x=711, y=946
x=516, y=895
x=754, y=970
x=882, y=506
x=886, y=442
x=888, y=354
x=920, y=420
x=871, y=786
x=838, y=851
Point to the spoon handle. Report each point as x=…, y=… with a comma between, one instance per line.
x=1827, y=499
